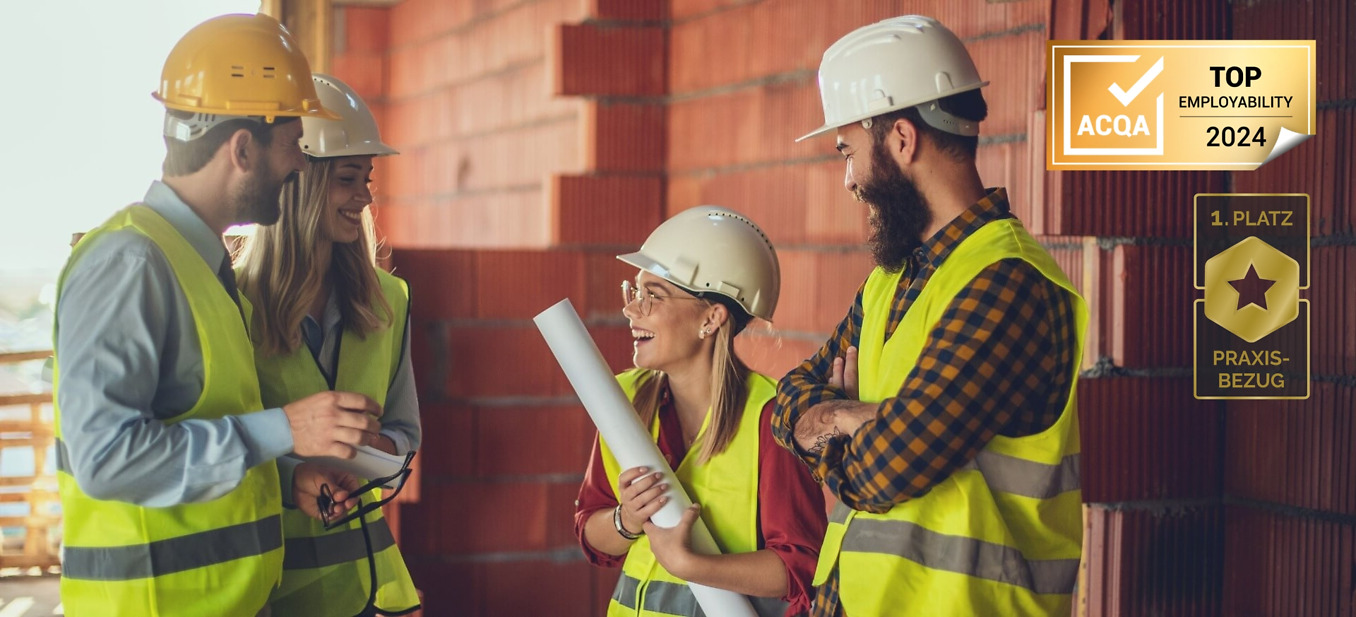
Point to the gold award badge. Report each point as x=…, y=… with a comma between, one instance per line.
x=1251, y=289
x=1252, y=327
x=1177, y=104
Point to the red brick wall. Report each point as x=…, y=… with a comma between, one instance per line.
x=542, y=137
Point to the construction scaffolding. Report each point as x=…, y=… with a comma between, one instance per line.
x=32, y=538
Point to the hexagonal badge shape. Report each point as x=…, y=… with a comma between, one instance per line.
x=1251, y=289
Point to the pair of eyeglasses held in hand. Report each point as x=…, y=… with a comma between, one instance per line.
x=326, y=499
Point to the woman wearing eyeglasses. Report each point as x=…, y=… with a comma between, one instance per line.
x=327, y=318
x=703, y=276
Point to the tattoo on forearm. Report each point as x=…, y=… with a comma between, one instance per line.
x=823, y=440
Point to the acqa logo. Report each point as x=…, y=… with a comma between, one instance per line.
x=1119, y=125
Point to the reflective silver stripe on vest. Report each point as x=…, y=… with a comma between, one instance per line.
x=625, y=591
x=161, y=557
x=671, y=598
x=959, y=554
x=676, y=599
x=840, y=513
x=336, y=548
x=1009, y=474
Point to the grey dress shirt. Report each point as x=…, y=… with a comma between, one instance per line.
x=130, y=359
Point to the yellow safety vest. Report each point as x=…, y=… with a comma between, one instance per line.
x=326, y=573
x=728, y=481
x=1002, y=535
x=219, y=557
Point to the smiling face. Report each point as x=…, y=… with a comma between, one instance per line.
x=898, y=211
x=256, y=197
x=666, y=339
x=347, y=196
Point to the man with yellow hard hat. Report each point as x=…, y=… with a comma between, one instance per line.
x=941, y=412
x=169, y=489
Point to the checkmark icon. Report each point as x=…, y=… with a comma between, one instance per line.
x=1125, y=97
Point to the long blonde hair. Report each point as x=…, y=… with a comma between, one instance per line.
x=728, y=393
x=279, y=274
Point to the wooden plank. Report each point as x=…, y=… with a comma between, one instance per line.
x=18, y=439
x=28, y=561
x=21, y=426
x=40, y=398
x=18, y=442
x=6, y=433
x=25, y=497
x=33, y=519
x=16, y=480
x=11, y=357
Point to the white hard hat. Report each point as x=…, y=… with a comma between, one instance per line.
x=893, y=64
x=714, y=250
x=354, y=133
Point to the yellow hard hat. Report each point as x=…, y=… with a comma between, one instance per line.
x=240, y=65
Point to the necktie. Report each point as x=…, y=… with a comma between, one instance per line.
x=227, y=276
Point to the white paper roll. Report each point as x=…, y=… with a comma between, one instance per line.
x=619, y=425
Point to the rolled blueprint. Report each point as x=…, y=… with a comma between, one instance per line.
x=619, y=425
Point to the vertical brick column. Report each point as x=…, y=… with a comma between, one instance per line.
x=613, y=66
x=1151, y=470
x=1289, y=465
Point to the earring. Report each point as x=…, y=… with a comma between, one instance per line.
x=702, y=334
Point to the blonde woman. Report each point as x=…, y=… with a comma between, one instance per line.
x=327, y=318
x=704, y=275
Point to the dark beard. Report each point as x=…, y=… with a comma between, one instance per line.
x=899, y=213
x=259, y=200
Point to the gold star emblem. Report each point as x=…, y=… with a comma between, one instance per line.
x=1251, y=289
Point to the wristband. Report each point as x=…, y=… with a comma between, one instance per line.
x=617, y=522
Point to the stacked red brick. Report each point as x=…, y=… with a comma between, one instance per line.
x=1217, y=509
x=510, y=194
x=1291, y=535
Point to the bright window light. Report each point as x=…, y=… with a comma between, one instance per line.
x=83, y=131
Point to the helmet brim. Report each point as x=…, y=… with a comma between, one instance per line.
x=872, y=114
x=640, y=260
x=377, y=149
x=315, y=112
x=817, y=132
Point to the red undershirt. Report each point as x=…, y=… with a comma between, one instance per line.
x=791, y=518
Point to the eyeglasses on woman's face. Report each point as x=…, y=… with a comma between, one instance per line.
x=644, y=299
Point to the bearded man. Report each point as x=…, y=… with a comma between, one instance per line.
x=940, y=412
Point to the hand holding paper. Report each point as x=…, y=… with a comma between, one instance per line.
x=332, y=423
x=367, y=462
